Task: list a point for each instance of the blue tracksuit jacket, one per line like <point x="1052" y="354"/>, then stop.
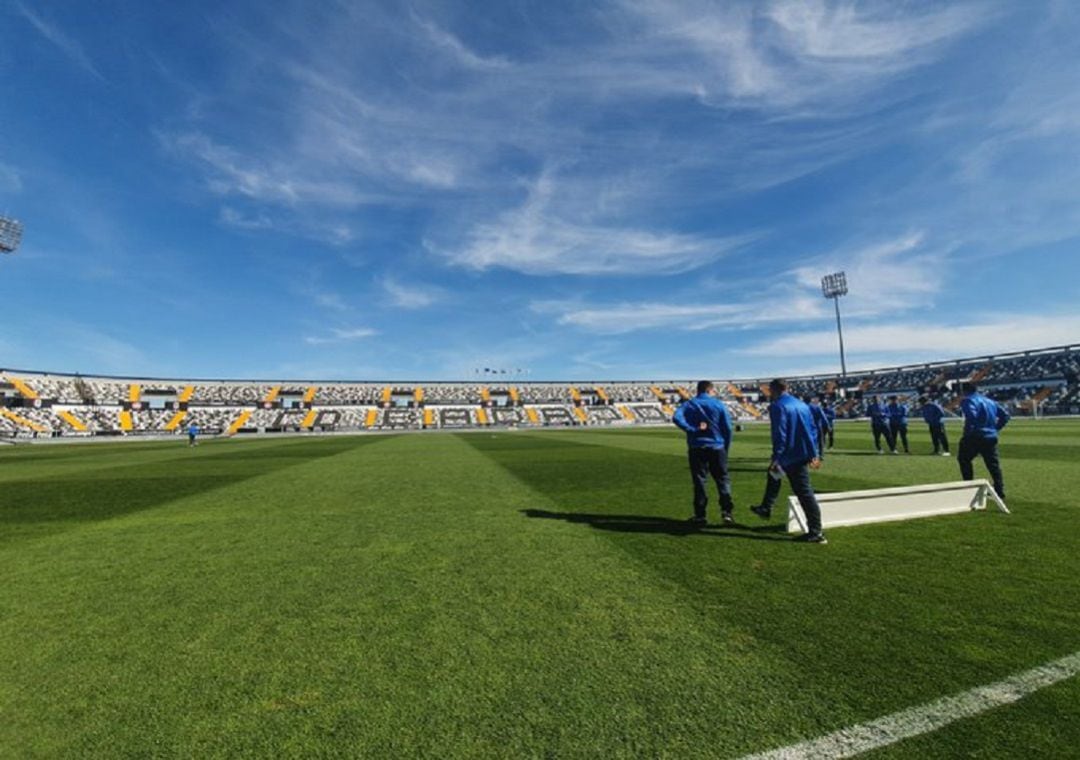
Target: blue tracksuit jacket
<point x="878" y="414"/>
<point x="830" y="415"/>
<point x="704" y="408"/>
<point x="983" y="417"/>
<point x="794" y="433"/>
<point x="898" y="414"/>
<point x="933" y="413"/>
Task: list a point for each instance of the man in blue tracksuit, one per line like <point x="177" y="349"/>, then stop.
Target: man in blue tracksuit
<point x="707" y="425"/>
<point x="879" y="423"/>
<point x="795" y="451"/>
<point x="898" y="416"/>
<point x="983" y="419"/>
<point x="934" y="416"/>
<point x="830" y="416"/>
<point x="821" y="422"/>
<point x="192" y="434"/>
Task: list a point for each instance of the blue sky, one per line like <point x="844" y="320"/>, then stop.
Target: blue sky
<point x="620" y="189"/>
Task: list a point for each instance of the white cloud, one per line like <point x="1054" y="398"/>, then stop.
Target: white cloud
<point x="997" y="334"/>
<point x="341" y="335"/>
<point x="538" y="238"/>
<point x="68" y="46"/>
<point x="411" y="296"/>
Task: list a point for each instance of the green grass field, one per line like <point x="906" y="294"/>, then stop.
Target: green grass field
<point x="513" y="594"/>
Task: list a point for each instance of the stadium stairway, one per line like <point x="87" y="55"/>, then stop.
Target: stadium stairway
<point x="272" y="395"/>
<point x="23" y="421"/>
<point x="485" y="394"/>
<point x="371" y="418"/>
<point x="533" y="415"/>
<point x="515" y="397"/>
<point x="134" y="393"/>
<point x="658" y="393"/>
<point x="309" y="419"/>
<point x="982" y="372"/>
<point x="482" y="416"/>
<point x="175" y="420"/>
<point x="418" y="395"/>
<point x="575" y="394"/>
<point x="580" y="414"/>
<point x="429" y="418"/>
<point x="602" y="394"/>
<point x="309" y="394"/>
<point x="126" y="423"/>
<point x="683" y="393"/>
<point x="239" y="422"/>
<point x="76" y="424"/>
<point x="743" y="403"/>
<point x="186" y="394"/>
<point x="666" y="409"/>
<point x="20" y="385"/>
<point x="625" y="412"/>
<point x="387" y="395"/>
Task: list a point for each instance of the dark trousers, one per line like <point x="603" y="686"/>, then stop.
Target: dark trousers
<point x="832" y="439"/>
<point x="987" y="448"/>
<point x="882" y="429"/>
<point x="940" y="438"/>
<point x="823" y="434"/>
<point x="799" y="477"/>
<point x="898" y="431"/>
<point x="703" y="463"/>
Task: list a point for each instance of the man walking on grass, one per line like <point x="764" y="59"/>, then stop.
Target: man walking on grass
<point x="898" y="416"/>
<point x="935" y="419"/>
<point x="983" y="420"/>
<point x="707" y="425"/>
<point x="795" y="452"/>
<point x="879" y="424"/>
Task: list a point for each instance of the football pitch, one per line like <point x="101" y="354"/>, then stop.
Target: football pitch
<point x="516" y="594"/>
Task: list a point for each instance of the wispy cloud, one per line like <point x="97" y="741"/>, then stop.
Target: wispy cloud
<point x="66" y="44"/>
<point x="536" y="238"/>
<point x="411" y="295"/>
<point x="992" y="334"/>
<point x="886" y="277"/>
<point x="341" y="335"/>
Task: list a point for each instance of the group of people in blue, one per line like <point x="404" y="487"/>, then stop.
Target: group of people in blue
<point x="802" y="431"/>
<point x="796" y="449"/>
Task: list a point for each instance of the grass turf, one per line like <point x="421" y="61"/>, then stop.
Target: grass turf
<point x="512" y="594"/>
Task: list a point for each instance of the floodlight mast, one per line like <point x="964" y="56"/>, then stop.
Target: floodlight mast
<point x="834" y="286"/>
<point x="10" y="234"/>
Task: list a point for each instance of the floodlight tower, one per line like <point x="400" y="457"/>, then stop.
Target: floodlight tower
<point x="834" y="286"/>
<point x="10" y="234"/>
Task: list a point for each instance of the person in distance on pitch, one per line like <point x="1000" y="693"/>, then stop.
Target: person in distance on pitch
<point x="830" y="416"/>
<point x="795" y="452"/>
<point x="983" y="420"/>
<point x="935" y="419"/>
<point x="707" y="425"/>
<point x="898" y="417"/>
<point x="821" y="421"/>
<point x="879" y="423"/>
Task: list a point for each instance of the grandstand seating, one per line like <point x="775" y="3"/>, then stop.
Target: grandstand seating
<point x="46" y="404"/>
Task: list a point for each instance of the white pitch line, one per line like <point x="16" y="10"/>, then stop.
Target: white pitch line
<point x="916" y="721"/>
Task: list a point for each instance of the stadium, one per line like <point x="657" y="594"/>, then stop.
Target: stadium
<point x="311" y="437"/>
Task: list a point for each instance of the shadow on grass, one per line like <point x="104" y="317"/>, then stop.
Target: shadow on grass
<point x="662" y="525"/>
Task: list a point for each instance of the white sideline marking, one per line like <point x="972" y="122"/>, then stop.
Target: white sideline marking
<point x="915" y="721"/>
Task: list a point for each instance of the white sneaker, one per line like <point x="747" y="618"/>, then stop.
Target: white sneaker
<point x="946" y="454"/>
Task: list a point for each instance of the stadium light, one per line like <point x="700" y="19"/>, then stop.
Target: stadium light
<point x="10" y="234"/>
<point x="834" y="286"/>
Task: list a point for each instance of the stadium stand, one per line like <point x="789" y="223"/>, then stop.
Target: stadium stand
<point x="38" y="405"/>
